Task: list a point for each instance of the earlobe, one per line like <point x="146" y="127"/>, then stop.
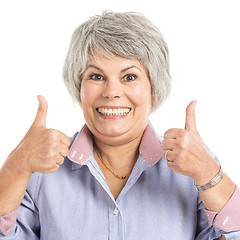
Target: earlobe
<point x="152" y="102"/>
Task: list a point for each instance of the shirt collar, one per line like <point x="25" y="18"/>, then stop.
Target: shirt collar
<point x="82" y="146"/>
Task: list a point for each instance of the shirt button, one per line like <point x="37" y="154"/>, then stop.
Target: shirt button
<point x="116" y="211"/>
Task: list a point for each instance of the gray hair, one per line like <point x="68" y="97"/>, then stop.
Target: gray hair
<point x="128" y="35"/>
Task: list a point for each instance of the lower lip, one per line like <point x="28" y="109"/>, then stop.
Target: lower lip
<point x="112" y="116"/>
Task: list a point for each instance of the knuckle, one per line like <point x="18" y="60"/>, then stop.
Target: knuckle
<point x="183" y="140"/>
<point x="68" y="141"/>
<point x="66" y="153"/>
<point x="54" y="146"/>
<point x="52" y="133"/>
<point x="60" y="159"/>
<point x="51" y="153"/>
<point x="167" y="133"/>
<point x="182" y="145"/>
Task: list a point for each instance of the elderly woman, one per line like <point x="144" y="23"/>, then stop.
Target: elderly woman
<point x="116" y="178"/>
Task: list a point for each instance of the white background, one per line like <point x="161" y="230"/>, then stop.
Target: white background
<point x="204" y="42"/>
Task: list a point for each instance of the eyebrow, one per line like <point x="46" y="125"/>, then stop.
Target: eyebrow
<point x="122" y="71"/>
<point x="93" y="66"/>
<point x="127" y="68"/>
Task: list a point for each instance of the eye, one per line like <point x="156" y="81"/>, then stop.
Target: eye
<point x="129" y="77"/>
<point x="96" y="77"/>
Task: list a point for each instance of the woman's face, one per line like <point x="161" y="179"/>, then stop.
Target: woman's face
<point x="115" y="98"/>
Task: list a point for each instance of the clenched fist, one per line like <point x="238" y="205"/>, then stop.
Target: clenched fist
<point x="186" y="152"/>
<point x="42" y="149"/>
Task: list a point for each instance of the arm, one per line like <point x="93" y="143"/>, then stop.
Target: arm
<point x="24" y="222"/>
<point x="41" y="150"/>
<point x="13" y="183"/>
<point x="189" y="156"/>
<point x="215" y="198"/>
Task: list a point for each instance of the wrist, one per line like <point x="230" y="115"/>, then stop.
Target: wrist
<point x="212" y="183"/>
<point x="16" y="164"/>
<point x="207" y="172"/>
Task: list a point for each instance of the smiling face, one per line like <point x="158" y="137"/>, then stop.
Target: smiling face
<point x="115" y="98"/>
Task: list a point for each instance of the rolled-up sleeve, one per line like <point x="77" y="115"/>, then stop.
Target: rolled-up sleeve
<point x="7" y="222"/>
<point x="228" y="219"/>
<point x="23" y="223"/>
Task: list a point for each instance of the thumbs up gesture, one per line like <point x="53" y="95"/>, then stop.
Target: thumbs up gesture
<point x="42" y="149"/>
<point x="186" y="152"/>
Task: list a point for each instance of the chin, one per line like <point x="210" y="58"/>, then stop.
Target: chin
<point x="112" y="131"/>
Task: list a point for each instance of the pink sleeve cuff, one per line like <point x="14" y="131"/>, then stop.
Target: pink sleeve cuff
<point x="228" y="219"/>
<point x="7" y="222"/>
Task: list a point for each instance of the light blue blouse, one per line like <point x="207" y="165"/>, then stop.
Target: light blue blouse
<point x="76" y="203"/>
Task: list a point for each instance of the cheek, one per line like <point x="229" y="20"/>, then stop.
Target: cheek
<point x="141" y="95"/>
<point x="87" y="95"/>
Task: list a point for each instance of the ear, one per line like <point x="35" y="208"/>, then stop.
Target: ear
<point x="79" y="101"/>
<point x="152" y="101"/>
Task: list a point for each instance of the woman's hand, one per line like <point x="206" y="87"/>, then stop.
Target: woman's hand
<point x="188" y="154"/>
<point x="42" y="149"/>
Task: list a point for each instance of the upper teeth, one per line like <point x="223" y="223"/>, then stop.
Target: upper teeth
<point x="114" y="111"/>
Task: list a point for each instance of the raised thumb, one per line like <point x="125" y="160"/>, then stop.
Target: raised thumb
<point x="41" y="116"/>
<point x="190" y="122"/>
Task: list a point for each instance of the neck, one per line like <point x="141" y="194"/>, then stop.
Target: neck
<point x="121" y="156"/>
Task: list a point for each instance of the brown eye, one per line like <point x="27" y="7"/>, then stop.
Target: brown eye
<point x="130" y="77"/>
<point x="96" y="77"/>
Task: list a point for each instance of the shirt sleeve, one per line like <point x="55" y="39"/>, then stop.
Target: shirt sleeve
<point x="7" y="222"/>
<point x="209" y="231"/>
<point x="23" y="223"/>
<point x="228" y="218"/>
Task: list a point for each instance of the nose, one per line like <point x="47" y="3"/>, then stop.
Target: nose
<point x="112" y="89"/>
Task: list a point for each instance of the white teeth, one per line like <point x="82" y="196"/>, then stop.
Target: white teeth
<point x="114" y="111"/>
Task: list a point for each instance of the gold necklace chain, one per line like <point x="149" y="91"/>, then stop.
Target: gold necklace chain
<point x="116" y="175"/>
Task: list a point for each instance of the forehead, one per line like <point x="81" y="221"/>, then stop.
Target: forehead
<point x="114" y="62"/>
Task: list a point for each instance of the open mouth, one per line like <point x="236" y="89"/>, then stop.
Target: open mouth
<point x="114" y="111"/>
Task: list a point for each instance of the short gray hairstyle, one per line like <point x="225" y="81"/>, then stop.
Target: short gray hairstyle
<point x="126" y="34"/>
